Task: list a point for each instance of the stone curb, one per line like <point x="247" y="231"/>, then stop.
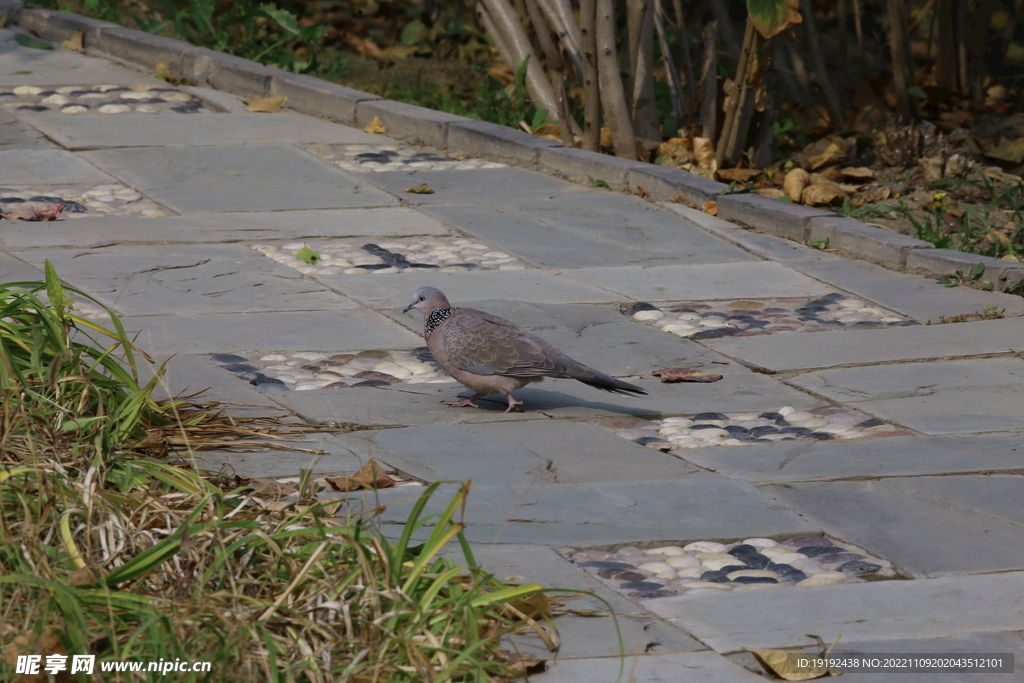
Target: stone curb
<point x="458" y="135"/>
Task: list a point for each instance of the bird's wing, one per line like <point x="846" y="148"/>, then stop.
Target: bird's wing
<point x="485" y="344"/>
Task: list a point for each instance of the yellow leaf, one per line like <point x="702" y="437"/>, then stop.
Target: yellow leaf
<point x="422" y="188"/>
<point x="375" y="126"/>
<point x="710" y="208"/>
<point x="828" y="150"/>
<point x="779" y="663"/>
<point x="1008" y="150"/>
<point x="822" y="193"/>
<point x="704" y="150"/>
<point x="266" y="105"/>
<point x="772" y="193"/>
<point x="75" y="41"/>
<point x="162" y="72"/>
<point x="794" y="184"/>
<point x="858" y="173"/>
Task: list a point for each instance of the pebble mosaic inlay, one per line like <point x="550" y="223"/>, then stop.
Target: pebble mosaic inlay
<point x="314" y="370"/>
<point x="359" y="258"/>
<point x="713" y="319"/>
<point x="103" y="99"/>
<point x="81" y="201"/>
<point x="742" y="429"/>
<point x="393" y="157"/>
<point x="707" y="566"/>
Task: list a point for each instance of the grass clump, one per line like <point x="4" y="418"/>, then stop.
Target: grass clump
<point x="108" y="552"/>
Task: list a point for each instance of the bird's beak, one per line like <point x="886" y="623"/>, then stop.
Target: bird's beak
<point x="409" y="307"/>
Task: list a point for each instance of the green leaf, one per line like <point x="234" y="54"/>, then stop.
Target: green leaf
<point x="976" y="271"/>
<point x="601" y="183"/>
<point x="34" y="43"/>
<point x="915" y="91"/>
<point x="307" y="255"/>
<point x="412" y="32"/>
<point x="54" y="289"/>
<point x="81" y="422"/>
<point x="521" y="72"/>
<point x="283" y="18"/>
<point x="772" y="17"/>
<point x="539" y="119"/>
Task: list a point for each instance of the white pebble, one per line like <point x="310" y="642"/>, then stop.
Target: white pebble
<point x="74" y="109"/>
<point x="760" y="542"/>
<point x="705" y="547"/>
<point x="153" y="213"/>
<point x="273" y="356"/>
<point x="655" y="567"/>
<point x="785" y="558"/>
<point x="134" y="95"/>
<point x="175" y="96"/>
<point x="824" y="579"/>
<point x="27" y="90"/>
<point x="707" y="584"/>
<point x="114" y="109"/>
<point x="310" y="355"/>
<point x="709" y="434"/>
<point x="146" y="109"/>
<point x="304" y="387"/>
<point x="105" y="87"/>
<point x="648" y="315"/>
<point x="761" y="573"/>
<point x="681" y="561"/>
<point x="794" y="418"/>
<point x="667" y="550"/>
<point x="55" y="99"/>
<point x="784" y="411"/>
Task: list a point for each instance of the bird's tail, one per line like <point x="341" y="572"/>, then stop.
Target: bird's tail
<point x="604" y="382"/>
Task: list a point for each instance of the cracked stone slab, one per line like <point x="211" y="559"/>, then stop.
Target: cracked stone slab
<point x="759" y="279"/>
<point x="693" y="667"/>
<point x="281" y="331"/>
<point x="145" y="130"/>
<point x="534" y="451"/>
<point x="394" y="290"/>
<point x="189" y="280"/>
<point x="26" y="66"/>
<point x="674" y="511"/>
<point x="954" y="397"/>
<point x="849" y="347"/>
<point x="926" y="526"/>
<point x="47" y="167"/>
<point x="15" y="270"/>
<point x="15" y="134"/>
<point x="580" y="636"/>
<point x="343" y="456"/>
<point x="871" y="612"/>
<point x="489" y="186"/>
<point x="258" y="226"/>
<point x="902" y="456"/>
<point x="243" y="178"/>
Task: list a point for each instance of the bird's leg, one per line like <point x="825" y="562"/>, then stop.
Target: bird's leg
<point x="513" y="405"/>
<point x="465" y="402"/>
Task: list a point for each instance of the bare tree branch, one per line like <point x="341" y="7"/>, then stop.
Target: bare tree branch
<point x="559" y="15"/>
<point x="725" y="26"/>
<point x="835" y="110"/>
<point x="709" y="82"/>
<point x="674" y="86"/>
<point x="684" y="53"/>
<point x="613" y="97"/>
<point x="643" y="106"/>
<point x="555" y="71"/>
<point x="902" y="69"/>
<point x="591" y="91"/>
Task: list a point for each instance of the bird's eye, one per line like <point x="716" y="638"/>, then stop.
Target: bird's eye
<point x="423" y="298"/>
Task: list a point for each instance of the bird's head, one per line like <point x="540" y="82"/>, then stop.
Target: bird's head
<point x="428" y="299"/>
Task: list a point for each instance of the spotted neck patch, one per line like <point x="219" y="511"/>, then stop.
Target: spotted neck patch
<point x="435" y="318"/>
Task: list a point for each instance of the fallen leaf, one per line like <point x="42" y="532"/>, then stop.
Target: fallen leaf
<point x="51" y="212"/>
<point x="710" y="208"/>
<point x="877" y="194"/>
<point x="772" y="18"/>
<point x="307" y="255"/>
<point x="778" y="662"/>
<point x="858" y="173"/>
<point x="829" y="150"/>
<point x="163" y="73"/>
<point x="681" y="198"/>
<point x="83" y="576"/>
<point x="672" y="375"/>
<point x="833" y="175"/>
<point x="266" y="105"/>
<point x="422" y="188"/>
<point x="1011" y="150"/>
<point x="771" y="192"/>
<point x="547" y="130"/>
<point x="502" y="72"/>
<point x="271" y="488"/>
<point x="741" y="175"/>
<point x="375" y="126"/>
<point x="525" y="665"/>
<point x="369" y="476"/>
<point x="822" y="193"/>
<point x="795" y="182"/>
<point x="34" y="43"/>
<point x="606" y="137"/>
<point x="704" y="150"/>
<point x="641" y="192"/>
<point x="75" y="41"/>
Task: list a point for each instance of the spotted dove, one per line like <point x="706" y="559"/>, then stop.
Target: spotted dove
<point x="491" y="355"/>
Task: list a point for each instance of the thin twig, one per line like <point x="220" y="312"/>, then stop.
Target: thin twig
<point x="591" y="90"/>
<point x="674" y="87"/>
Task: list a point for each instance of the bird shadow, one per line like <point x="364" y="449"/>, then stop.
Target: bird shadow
<point x="547" y="400"/>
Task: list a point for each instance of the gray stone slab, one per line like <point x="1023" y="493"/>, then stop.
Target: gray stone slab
<point x="944" y="262"/>
<point x="187" y="279"/>
<point x="696" y="507"/>
<point x="240" y="76"/>
<point x="317" y="96"/>
<point x="499" y="187"/>
<point x="769" y="215"/>
<point x="955" y="411"/>
<point x="696" y="667"/>
<point x="757" y="279"/>
<point x="904" y="456"/>
<point x="864" y="241"/>
<point x="258" y="227"/>
<point x="851" y="347"/>
<point x="100" y="131"/>
<point x="353" y="329"/>
<point x="579" y="637"/>
<point x="492" y="141"/>
<point x="665" y="182"/>
<point x="581" y="166"/>
<point x="245" y="178"/>
<point x="927" y="526"/>
<point x="26" y="66"/>
<point x="394" y="290"/>
<point x="423" y="125"/>
<point x="912" y="295"/>
<point x="15" y="270"/>
<point x="14" y="134"/>
<point x="47" y="167"/>
<point x="864" y="612"/>
<point x="342" y="457"/>
<point x="512" y="453"/>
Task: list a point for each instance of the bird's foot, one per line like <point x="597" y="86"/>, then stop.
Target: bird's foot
<point x="513" y="405"/>
<point x="464" y="402"/>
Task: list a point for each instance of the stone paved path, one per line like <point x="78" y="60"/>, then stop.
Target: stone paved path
<point x="943" y="501"/>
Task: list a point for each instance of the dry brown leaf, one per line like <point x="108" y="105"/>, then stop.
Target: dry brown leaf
<point x="1008" y="149"/>
<point x="672" y="375"/>
<point x="740" y="175"/>
<point x="680" y="198"/>
<point x="777" y="661"/>
<point x="50" y="212"/>
<point x="822" y="193"/>
<point x="526" y="665"/>
<point x="794" y="184"/>
<point x="547" y="130"/>
<point x="75" y="41"/>
<point x="704" y="150"/>
<point x="422" y="188"/>
<point x="877" y="194"/>
<point x="502" y="72"/>
<point x="266" y="105"/>
<point x="833" y="175"/>
<point x="858" y="173"/>
<point x="279" y="505"/>
<point x="162" y="72"/>
<point x="369" y="476"/>
<point x="848" y="188"/>
<point x="271" y="488"/>
<point x="375" y="126"/>
<point x="710" y="208"/>
<point x="771" y="192"/>
<point x="606" y="137"/>
<point x="829" y="150"/>
<point x="83" y="576"/>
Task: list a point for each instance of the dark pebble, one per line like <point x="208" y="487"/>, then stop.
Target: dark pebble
<point x="647" y="595"/>
<point x="794" y="576"/>
<point x="753" y="439"/>
<point x="788" y="438"/>
<point x="260" y="378"/>
<point x="46" y="93"/>
<point x="33" y="107"/>
<point x="644" y="440"/>
<point x="335" y="385"/>
<point x="372" y="383"/>
<point x="757" y="561"/>
<point x="742" y="549"/>
<point x="795" y="430"/>
<point x="12" y="200"/>
<point x="735" y="429"/>
<point x="606" y="564"/>
<point x="642" y="306"/>
<point x="43" y="198"/>
<point x="710" y="416"/>
<point x="754" y="579"/>
<point x="310" y="367"/>
<point x="622" y="574"/>
<point x="470" y="266"/>
<point x="377" y="376"/>
<point x="705" y="427"/>
<point x="730" y="568"/>
<point x="188" y="107"/>
<point x="151" y="100"/>
<point x="714" y="577"/>
<point x="641" y="586"/>
<point x="74" y="207"/>
<point x="426" y="156"/>
<point x="240" y="367"/>
<point x="867" y="323"/>
<point x="373" y="248"/>
<point x="903" y="323"/>
<point x="830" y="298"/>
<point x="806" y="541"/>
<point x="840" y="558"/>
<point x="327" y="364"/>
<point x="271" y="386"/>
<point x="761" y="431"/>
<point x="380" y="157"/>
<point x="422" y="354"/>
<point x="819" y="550"/>
<point x="859" y="567"/>
<point x="423" y="265"/>
<point x="873" y="422"/>
<point x="249" y="376"/>
<point x="373" y="266"/>
<point x="781" y="422"/>
<point x="819" y="436"/>
<point x="226" y="358"/>
<point x="79" y="93"/>
<point x="716" y="333"/>
<point x="771" y="416"/>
